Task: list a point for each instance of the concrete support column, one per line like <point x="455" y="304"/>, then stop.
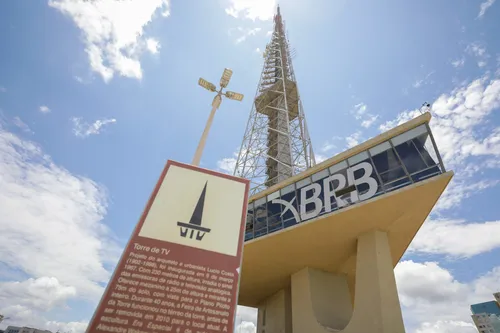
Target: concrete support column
<point x="377" y="308"/>
<point x="321" y="301"/>
<point x="275" y="313"/>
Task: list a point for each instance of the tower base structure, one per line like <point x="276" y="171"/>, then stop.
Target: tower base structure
<point x="319" y="302"/>
<point x="321" y="247"/>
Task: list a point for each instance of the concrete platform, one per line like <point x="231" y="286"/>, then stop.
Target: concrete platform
<point x="329" y="243"/>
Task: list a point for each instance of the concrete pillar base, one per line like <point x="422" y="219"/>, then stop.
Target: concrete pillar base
<point x="320" y="302"/>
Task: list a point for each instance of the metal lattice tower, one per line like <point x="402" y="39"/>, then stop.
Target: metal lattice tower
<point x="276" y="144"/>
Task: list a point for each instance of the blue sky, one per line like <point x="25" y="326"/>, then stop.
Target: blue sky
<point x="96" y="96"/>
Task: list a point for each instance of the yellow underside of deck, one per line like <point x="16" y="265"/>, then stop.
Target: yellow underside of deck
<point x="329" y="242"/>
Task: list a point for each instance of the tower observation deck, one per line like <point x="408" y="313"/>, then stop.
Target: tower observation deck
<point x="322" y="241"/>
<point x="276" y="143"/>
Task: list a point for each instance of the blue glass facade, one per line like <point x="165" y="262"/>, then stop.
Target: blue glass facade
<point x="486" y="307"/>
<point x="401" y="161"/>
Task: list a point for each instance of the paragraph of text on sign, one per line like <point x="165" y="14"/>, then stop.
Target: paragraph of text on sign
<point x="153" y="292"/>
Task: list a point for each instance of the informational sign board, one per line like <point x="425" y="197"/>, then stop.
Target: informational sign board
<point x="180" y="269"/>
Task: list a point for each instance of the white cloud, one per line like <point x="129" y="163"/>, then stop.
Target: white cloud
<point x="71" y="327"/>
<point x="83" y="129"/>
<point x="484" y="7"/>
<point x="246" y="319"/>
<point x="413" y="290"/>
<point x="401" y="118"/>
<point x="457" y="238"/>
<point x="269" y="33"/>
<point x="113" y="32"/>
<point x="369" y="120"/>
<point x="334" y="145"/>
<point x="153" y="45"/>
<point x="458" y="63"/>
<point x="328" y="149"/>
<point x="424" y="81"/>
<point x="447" y="326"/>
<point x="258" y="50"/>
<point x="469" y="143"/>
<point x="246" y="327"/>
<point x="458" y="125"/>
<point x="21" y="124"/>
<point x="44" y="109"/>
<point x="27" y="317"/>
<point x="327" y="146"/>
<point x="227" y="164"/>
<point x="243" y="33"/>
<point x="360" y="109"/>
<point x="252" y="9"/>
<point x="360" y="113"/>
<point x="462" y="188"/>
<point x="320" y="158"/>
<point x="41" y="294"/>
<point x="457" y="121"/>
<point x="434" y="301"/>
<point x="353" y="139"/>
<point x="478" y="50"/>
<point x="51" y="230"/>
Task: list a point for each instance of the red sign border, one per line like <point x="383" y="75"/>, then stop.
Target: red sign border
<point x="145" y="212"/>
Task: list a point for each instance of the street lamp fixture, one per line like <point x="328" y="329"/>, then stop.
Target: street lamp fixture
<point x="224" y="81"/>
<point x="226" y="77"/>
<point x="207" y="85"/>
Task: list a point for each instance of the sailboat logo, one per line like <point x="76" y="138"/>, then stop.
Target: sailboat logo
<point x="194" y="228"/>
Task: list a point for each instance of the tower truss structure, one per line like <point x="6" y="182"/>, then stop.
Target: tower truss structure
<point x="276" y="144"/>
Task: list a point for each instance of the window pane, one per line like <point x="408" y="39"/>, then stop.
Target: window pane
<point x="409" y="135"/>
<point x="392" y="175"/>
<point x="432" y="171"/>
<point x="273" y="209"/>
<point x="250" y="222"/>
<point x="288" y="189"/>
<point x="303" y="182"/>
<point x="385" y="161"/>
<point x="337" y="167"/>
<point x="426" y="149"/>
<point x="274" y="216"/>
<point x="397" y="184"/>
<point x="288" y="217"/>
<point x="260" y="219"/>
<point x="380" y="148"/>
<point x="357" y="158"/>
<point x="410" y="157"/>
<point x="273" y="196"/>
<point x="320" y="175"/>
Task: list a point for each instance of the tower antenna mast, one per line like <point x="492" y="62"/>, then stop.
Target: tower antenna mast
<point x="276" y="144"/>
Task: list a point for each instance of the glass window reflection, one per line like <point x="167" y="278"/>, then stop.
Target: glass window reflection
<point x="289" y="195"/>
<point x="260" y="218"/>
<point x="274" y="216"/>
<point x="250" y="222"/>
<point x="385" y="161"/>
<point x="411" y="158"/>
